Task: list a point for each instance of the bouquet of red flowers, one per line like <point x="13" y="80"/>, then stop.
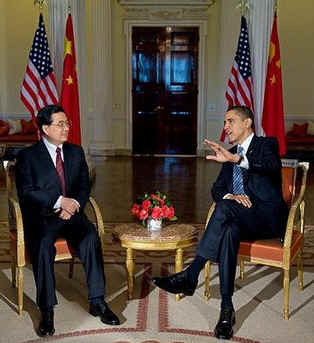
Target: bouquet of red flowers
<point x="155" y="205"/>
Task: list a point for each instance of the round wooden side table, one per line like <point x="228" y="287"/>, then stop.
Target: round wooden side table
<point x="133" y="236"/>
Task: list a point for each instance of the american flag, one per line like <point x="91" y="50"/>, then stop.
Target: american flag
<point x="239" y="89"/>
<point x="39" y="86"/>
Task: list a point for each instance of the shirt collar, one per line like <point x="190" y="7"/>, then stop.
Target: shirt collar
<point x="245" y="145"/>
<point x="50" y="146"/>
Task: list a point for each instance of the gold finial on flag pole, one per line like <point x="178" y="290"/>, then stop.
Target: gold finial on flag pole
<point x="41" y="3"/>
<point x="275" y="5"/>
<point x="244" y="6"/>
<point x="69" y="6"/>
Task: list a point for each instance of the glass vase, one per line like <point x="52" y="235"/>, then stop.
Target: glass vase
<point x="154" y="224"/>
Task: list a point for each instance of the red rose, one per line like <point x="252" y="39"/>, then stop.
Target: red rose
<point x="156" y="213"/>
<point x="171" y="212"/>
<point x="135" y="210"/>
<point x="165" y="211"/>
<point x="146" y="204"/>
<point x="143" y="214"/>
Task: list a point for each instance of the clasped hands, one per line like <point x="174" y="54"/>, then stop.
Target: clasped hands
<point x="223" y="155"/>
<point x="68" y="207"/>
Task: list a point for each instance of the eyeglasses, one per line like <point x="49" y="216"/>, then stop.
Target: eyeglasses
<point x="63" y="124"/>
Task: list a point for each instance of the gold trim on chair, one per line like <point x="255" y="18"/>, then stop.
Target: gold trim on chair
<point x="18" y="251"/>
<point x="279" y="255"/>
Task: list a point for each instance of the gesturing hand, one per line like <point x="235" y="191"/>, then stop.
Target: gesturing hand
<point x="222" y="154"/>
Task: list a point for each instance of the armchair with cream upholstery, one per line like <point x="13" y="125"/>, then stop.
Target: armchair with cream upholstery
<point x="18" y="251"/>
<point x="272" y="252"/>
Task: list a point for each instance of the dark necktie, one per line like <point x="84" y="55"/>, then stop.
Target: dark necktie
<point x="237" y="180"/>
<point x="60" y="169"/>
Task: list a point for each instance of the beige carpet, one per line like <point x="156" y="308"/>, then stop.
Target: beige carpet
<point x="153" y="316"/>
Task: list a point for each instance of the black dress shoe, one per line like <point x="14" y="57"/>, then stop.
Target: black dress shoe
<point x="178" y="283"/>
<point x="223" y="329"/>
<point x="103" y="311"/>
<point x="46" y="326"/>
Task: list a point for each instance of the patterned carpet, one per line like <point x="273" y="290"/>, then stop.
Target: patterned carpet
<point x="115" y="253"/>
<point x="154" y="316"/>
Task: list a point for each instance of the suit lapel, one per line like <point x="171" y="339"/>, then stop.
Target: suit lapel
<point x="250" y="152"/>
<point x="67" y="156"/>
<point x="47" y="161"/>
<point x="45" y="156"/>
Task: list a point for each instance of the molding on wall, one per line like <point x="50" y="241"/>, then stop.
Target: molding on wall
<point x="95" y="151"/>
<point x="4" y="116"/>
<point x="302" y="117"/>
<point x="155" y="14"/>
<point x="169" y="3"/>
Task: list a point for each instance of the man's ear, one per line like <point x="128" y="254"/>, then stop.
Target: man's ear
<point x="44" y="128"/>
<point x="249" y="123"/>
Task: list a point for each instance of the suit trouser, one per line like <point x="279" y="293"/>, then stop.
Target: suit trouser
<point x="82" y="236"/>
<point x="230" y="223"/>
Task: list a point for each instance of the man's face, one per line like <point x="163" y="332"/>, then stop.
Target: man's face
<point x="237" y="128"/>
<point x="57" y="132"/>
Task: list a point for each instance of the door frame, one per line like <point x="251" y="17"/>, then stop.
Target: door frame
<point x="201" y="103"/>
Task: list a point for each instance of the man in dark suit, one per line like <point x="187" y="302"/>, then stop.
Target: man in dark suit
<point x="52" y="182"/>
<point x="249" y="206"/>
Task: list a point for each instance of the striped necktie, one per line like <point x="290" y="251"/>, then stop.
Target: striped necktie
<point x="237" y="180"/>
<point x="60" y="170"/>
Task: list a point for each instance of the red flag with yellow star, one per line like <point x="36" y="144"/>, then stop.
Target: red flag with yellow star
<point x="273" y="114"/>
<point x="70" y="94"/>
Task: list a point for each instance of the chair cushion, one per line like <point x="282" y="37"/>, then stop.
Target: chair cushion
<point x="299" y="130"/>
<point x="29" y="127"/>
<point x="269" y="249"/>
<point x="15" y="126"/>
<point x="61" y="245"/>
<point x="287" y="175"/>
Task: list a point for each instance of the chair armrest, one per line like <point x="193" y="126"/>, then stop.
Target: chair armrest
<point x="210" y="212"/>
<point x="16" y="223"/>
<point x="99" y="221"/>
<point x="298" y="204"/>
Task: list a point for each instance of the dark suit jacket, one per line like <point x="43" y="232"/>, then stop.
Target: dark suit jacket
<point x="38" y="183"/>
<point x="262" y="183"/>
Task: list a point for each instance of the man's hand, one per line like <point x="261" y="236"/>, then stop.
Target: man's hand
<point x="64" y="215"/>
<point x="69" y="205"/>
<point x="242" y="199"/>
<point x="222" y="155"/>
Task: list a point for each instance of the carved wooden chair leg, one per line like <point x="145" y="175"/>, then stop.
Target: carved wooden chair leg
<point x="286" y="291"/>
<point x="13" y="270"/>
<point x="300" y="270"/>
<point x="71" y="267"/>
<point x="207" y="280"/>
<point x="241" y="269"/>
<point x="20" y="289"/>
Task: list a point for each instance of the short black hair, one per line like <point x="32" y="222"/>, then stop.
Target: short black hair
<point x="244" y="112"/>
<point x="44" y="115"/>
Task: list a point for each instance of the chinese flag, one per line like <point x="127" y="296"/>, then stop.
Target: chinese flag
<point x="273" y="114"/>
<point x="70" y="93"/>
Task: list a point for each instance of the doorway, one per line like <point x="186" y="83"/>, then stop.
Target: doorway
<point x="165" y="90"/>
